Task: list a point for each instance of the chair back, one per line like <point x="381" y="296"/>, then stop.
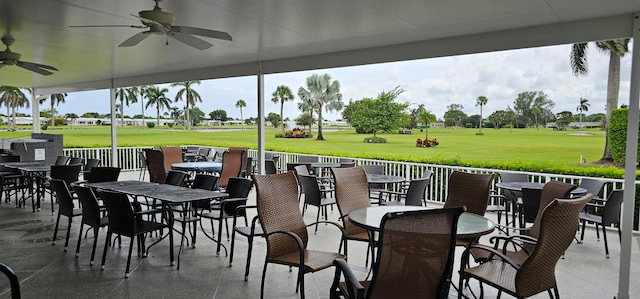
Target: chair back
<point x="530" y="204"/>
<point x="67" y="173"/>
<point x="204" y="181"/>
<point x="119" y="212"/>
<point x="9" y="158"/>
<point x="269" y="155"/>
<point x="550" y="191"/>
<point x="352" y="192"/>
<point x="91" y="163"/>
<point x="593" y="186"/>
<point x="278" y="209"/>
<point x="513" y="177"/>
<point x="76" y="161"/>
<point x="292" y="166"/>
<point x="347" y="164"/>
<point x="558" y="226"/>
<point x="65" y="201"/>
<point x="171" y="155"/>
<point x="416" y="192"/>
<point x="176" y="178"/>
<point x="469" y="190"/>
<point x="104" y="174"/>
<point x="612" y="207"/>
<point x="203" y="154"/>
<point x="270" y="167"/>
<point x="155" y="166"/>
<point x="237" y="188"/>
<point x="311" y="189"/>
<point x="89" y="203"/>
<point x="244" y="154"/>
<point x="374" y="169"/>
<point x="249" y="169"/>
<point x="416" y="255"/>
<point x="62" y="160"/>
<point x="231" y="166"/>
<point x="301" y="170"/>
<point x="13" y="280"/>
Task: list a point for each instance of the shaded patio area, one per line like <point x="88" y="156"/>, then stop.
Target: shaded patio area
<point x="47" y="271"/>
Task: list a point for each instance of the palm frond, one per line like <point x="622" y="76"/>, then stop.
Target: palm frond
<point x="578" y="59"/>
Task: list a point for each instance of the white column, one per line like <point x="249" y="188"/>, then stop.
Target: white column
<point x="630" y="162"/>
<point x="260" y="121"/>
<point x="35" y="111"/>
<point x="114" y="143"/>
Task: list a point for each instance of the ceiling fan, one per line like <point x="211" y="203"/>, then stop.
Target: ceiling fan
<point x="11" y="58"/>
<point x="161" y="23"/>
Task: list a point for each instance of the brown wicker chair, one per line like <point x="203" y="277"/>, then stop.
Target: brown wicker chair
<point x="558" y="225"/>
<point x="352" y="193"/>
<point x="525" y="243"/>
<point x="232" y="162"/>
<point x="245" y="153"/>
<point x="155" y="166"/>
<point x="415" y="259"/>
<point x="285" y="230"/>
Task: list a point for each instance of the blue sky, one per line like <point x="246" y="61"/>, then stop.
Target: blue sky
<point x="435" y="82"/>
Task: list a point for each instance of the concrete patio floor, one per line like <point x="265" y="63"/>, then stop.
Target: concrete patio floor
<point x="46" y="271"/>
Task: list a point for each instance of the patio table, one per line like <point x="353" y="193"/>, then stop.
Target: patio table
<point x="517" y="186"/>
<point x="199" y="167"/>
<point x="35" y="172"/>
<point x="168" y="195"/>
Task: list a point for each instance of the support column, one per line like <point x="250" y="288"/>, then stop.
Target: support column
<point x="631" y="153"/>
<point x="114" y="143"/>
<point x="35" y="111"/>
<point x="260" y="120"/>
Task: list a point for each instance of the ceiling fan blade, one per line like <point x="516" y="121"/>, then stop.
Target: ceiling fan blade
<point x="190" y="40"/>
<point x="36" y="68"/>
<point x="94" y="26"/>
<point x="203" y="32"/>
<point x="134" y="40"/>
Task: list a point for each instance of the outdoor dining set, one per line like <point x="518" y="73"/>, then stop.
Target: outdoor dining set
<point x="410" y="246"/>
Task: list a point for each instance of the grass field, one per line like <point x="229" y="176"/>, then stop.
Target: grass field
<point x="529" y="146"/>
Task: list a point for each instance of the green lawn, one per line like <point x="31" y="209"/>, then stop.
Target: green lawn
<point x="525" y="146"/>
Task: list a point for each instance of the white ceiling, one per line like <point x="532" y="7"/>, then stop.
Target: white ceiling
<point x="284" y="35"/>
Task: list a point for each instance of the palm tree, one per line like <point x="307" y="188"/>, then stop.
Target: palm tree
<point x="126" y="96"/>
<point x="481" y="101"/>
<point x="511" y="117"/>
<point x="584" y="106"/>
<point x="158" y="99"/>
<point x="425" y="117"/>
<point x="616" y="49"/>
<point x="189" y="95"/>
<point x="307" y="105"/>
<point x="12" y="97"/>
<point x="54" y="100"/>
<point x="175" y="114"/>
<point x="282" y="94"/>
<point x="239" y="104"/>
<point x="134" y="91"/>
<point x="323" y="93"/>
<point x="536" y="111"/>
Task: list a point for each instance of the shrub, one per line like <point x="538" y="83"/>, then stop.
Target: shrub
<point x="296" y="133"/>
<point x="618" y="134"/>
<point x="278" y="135"/>
<point x="170" y="125"/>
<point x="479" y="133"/>
<point x="44" y="127"/>
<point x="151" y="125"/>
<point x="427" y="142"/>
<point x="375" y="140"/>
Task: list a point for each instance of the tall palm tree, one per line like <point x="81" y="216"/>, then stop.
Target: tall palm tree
<point x="239" y="104"/>
<point x="307" y="105"/>
<point x="324" y="93"/>
<point x="584" y="106"/>
<point x="425" y="117"/>
<point x="282" y="94"/>
<point x="126" y="96"/>
<point x="189" y="95"/>
<point x="158" y="99"/>
<point x="13" y="97"/>
<point x="141" y="90"/>
<point x="616" y="49"/>
<point x="54" y="100"/>
<point x="481" y="101"/>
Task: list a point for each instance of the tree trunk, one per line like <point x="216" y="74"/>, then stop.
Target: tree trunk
<point x="53" y="116"/>
<point x="480" y="119"/>
<point x="188" y="124"/>
<point x="310" y="120"/>
<point x="142" y="102"/>
<point x="158" y="115"/>
<point x="121" y="112"/>
<point x="282" y="116"/>
<point x="426" y="130"/>
<point x="242" y="119"/>
<point x="320" y="137"/>
<point x="613" y="88"/>
<point x="13" y="114"/>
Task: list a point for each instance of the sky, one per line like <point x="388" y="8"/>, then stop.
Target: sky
<point x="436" y="83"/>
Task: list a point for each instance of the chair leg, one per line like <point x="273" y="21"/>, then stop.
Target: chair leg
<point x="104" y="253"/>
<point x="79" y="238"/>
<point x="264" y="272"/>
<point x="66" y="241"/>
<point x="219" y="235"/>
<point x="604" y="235"/>
<point x="95" y="242"/>
<point x="55" y="231"/>
<point x="584" y="224"/>
<point x="317" y="219"/>
<point x="597" y="232"/>
<point x="233" y="243"/>
<point x="249" y="251"/>
<point x="126" y="271"/>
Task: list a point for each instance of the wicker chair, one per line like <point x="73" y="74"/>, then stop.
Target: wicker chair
<point x="244" y="153"/>
<point x="508" y="200"/>
<point x="558" y="225"/>
<point x="90" y="216"/>
<point x="469" y="190"/>
<point x="232" y="166"/>
<point x="285" y="230"/>
<point x="67" y="173"/>
<point x="415" y="259"/>
<point x="412" y="195"/>
<point x="155" y="166"/>
<point x="100" y="174"/>
<point x="171" y="155"/>
<point x="352" y="193"/>
<point x="525" y="243"/>
<point x="374" y="189"/>
<point x="315" y="196"/>
<point x="67" y="208"/>
<point x="609" y="214"/>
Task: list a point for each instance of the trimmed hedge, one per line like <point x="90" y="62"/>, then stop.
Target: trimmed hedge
<point x="618" y="135"/>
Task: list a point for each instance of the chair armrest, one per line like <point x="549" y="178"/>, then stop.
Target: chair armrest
<point x="13" y="280"/>
<point x="516" y="241"/>
<point x="354" y="287"/>
<point x="493" y="253"/>
<point x="301" y="247"/>
<point x="342" y="230"/>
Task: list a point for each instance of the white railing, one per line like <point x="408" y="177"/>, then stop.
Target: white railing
<point x="128" y="160"/>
